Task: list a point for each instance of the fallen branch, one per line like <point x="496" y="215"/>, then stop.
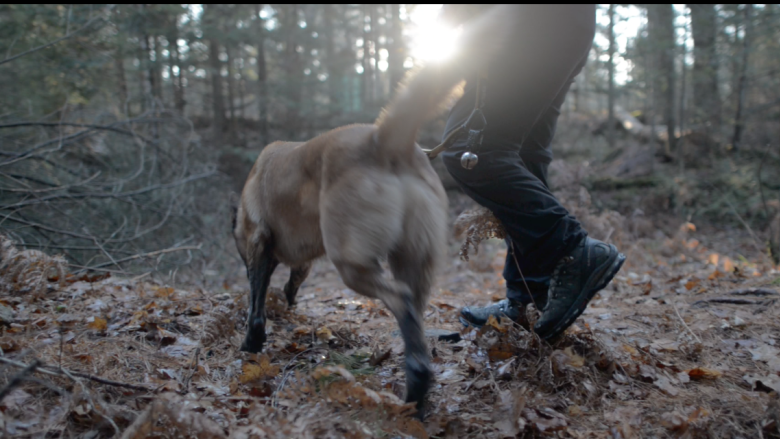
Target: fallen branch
<point x="18" y="378"/>
<point x="754" y="292"/>
<point x="729" y="301"/>
<point x="56" y="371"/>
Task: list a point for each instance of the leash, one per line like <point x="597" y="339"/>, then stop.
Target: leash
<point x="474" y="126"/>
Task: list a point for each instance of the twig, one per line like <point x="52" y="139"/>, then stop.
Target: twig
<point x="193" y="369"/>
<point x="685" y="324"/>
<point x="18" y="378"/>
<point x="54" y="371"/>
<point x="756" y="242"/>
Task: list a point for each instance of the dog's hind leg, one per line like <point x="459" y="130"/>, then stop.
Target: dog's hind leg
<point x="297" y="276"/>
<point x="368" y="281"/>
<point x="260" y="267"/>
<point x="415" y="269"/>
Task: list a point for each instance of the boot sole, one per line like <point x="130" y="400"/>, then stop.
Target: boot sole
<point x="601" y="279"/>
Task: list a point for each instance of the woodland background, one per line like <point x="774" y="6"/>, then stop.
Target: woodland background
<point x="124" y="128"/>
<point x="126" y="134"/>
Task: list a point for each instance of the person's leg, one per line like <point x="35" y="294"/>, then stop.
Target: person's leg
<point x="524" y="283"/>
<point x="511" y="181"/>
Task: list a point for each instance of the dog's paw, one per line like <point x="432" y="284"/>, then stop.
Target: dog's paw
<point x="255" y="337"/>
<point x="253" y="345"/>
<point x="418" y="381"/>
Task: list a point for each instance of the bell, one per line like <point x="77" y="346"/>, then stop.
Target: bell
<point x="468" y="160"/>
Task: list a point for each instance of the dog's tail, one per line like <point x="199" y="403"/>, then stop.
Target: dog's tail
<point x="422" y="94"/>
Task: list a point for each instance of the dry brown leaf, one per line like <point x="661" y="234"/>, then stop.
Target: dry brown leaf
<point x="98" y="324"/>
<point x="254" y="372"/>
<point x="728" y="265"/>
<point x="500" y="352"/>
<point x="713" y="259"/>
<point x="703" y="373"/>
<point x="507" y="412"/>
<point x="574" y="359"/>
<point x="324" y="334"/>
<point x="691" y="284"/>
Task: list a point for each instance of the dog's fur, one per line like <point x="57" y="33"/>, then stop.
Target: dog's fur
<point x="360" y="193"/>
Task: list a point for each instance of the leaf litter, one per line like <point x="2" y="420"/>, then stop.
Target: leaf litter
<point x="642" y="361"/>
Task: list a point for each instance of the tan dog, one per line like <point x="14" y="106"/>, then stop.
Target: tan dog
<point x="360" y="193"/>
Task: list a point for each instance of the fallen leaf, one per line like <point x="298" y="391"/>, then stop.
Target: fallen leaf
<point x="574" y="359"/>
<point x="675" y="421"/>
<point x="728" y="265"/>
<point x="324" y="334"/>
<point x="500" y="352"/>
<point x="666" y="385"/>
<point x="98" y="324"/>
<point x="254" y="372"/>
<point x="378" y="358"/>
<point x="545" y="420"/>
<point x="507" y="411"/>
<point x="761" y="383"/>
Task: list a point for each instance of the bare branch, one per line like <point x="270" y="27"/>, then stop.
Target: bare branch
<point x="51" y="43"/>
<point x="109" y="194"/>
<point x="146" y="255"/>
<point x="56" y="371"/>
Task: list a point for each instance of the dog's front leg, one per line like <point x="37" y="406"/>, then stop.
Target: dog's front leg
<point x="259" y="271"/>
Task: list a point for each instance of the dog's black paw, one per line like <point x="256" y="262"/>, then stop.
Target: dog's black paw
<point x="418" y="381"/>
<point x="255" y="336"/>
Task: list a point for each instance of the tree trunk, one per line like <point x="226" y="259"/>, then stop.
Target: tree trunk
<point x="704" y="77"/>
<point x="611" y="65"/>
<point x="365" y="89"/>
<point x="231" y="83"/>
<point x="396" y="55"/>
<point x="119" y="65"/>
<point x="661" y="35"/>
<point x="262" y="90"/>
<point x="742" y="84"/>
<point x="217" y="102"/>
<point x="175" y="61"/>
<point x="681" y="109"/>
<point x="335" y="73"/>
<point x="293" y="70"/>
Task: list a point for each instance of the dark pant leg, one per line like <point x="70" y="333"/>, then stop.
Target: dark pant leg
<point x="541" y="229"/>
<point x="511" y="179"/>
<point x="535" y="153"/>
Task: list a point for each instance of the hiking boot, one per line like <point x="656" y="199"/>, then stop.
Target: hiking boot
<point x="508" y="308"/>
<point x="575" y="280"/>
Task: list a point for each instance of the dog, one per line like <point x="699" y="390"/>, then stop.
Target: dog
<point x="359" y="194"/>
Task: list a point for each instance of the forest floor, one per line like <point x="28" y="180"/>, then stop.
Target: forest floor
<point x="685" y="342"/>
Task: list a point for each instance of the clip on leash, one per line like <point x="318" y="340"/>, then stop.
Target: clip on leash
<point x="474" y="126"/>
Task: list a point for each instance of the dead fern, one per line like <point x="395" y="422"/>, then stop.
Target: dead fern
<point x="220" y="324"/>
<point x="477" y="225"/>
<point x="28" y="271"/>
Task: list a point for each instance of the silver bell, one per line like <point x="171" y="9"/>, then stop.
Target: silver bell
<point x="468" y="160"/>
